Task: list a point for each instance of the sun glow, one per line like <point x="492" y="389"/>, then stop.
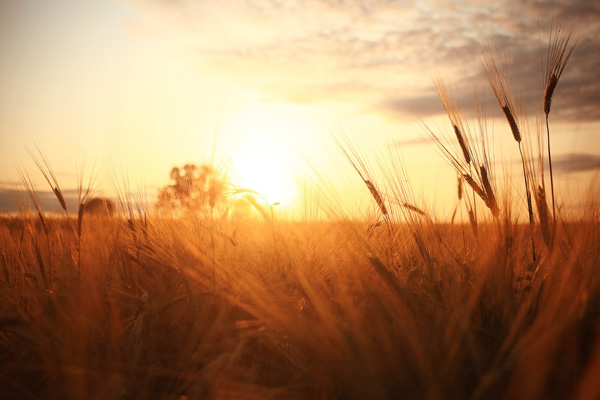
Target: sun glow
<point x="263" y="168"/>
<point x="267" y="159"/>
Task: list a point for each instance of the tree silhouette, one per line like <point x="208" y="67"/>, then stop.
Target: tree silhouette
<point x="193" y="188"/>
<point x="99" y="206"/>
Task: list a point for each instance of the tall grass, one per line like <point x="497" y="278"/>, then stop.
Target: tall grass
<point x="143" y="306"/>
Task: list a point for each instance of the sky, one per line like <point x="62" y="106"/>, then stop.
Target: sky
<point x="125" y="90"/>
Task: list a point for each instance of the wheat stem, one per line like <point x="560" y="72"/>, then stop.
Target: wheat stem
<point x="551" y="175"/>
<point x="529" y="205"/>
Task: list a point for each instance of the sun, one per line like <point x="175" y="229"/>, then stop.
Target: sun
<point x="263" y="168"/>
<point x="265" y="158"/>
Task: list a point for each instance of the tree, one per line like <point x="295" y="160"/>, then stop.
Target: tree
<point x="193" y="188"/>
<point x="99" y="206"/>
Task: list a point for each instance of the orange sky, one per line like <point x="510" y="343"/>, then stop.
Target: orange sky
<point x="135" y="87"/>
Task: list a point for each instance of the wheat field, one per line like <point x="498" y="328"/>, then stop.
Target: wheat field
<point x="142" y="306"/>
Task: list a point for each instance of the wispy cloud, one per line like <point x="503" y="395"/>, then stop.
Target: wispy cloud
<point x="381" y="52"/>
<point x="575" y="162"/>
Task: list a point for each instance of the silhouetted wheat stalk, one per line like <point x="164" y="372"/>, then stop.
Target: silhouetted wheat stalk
<point x="363" y="172"/>
<point x="49" y="175"/>
<point x="33" y="196"/>
<point x="498" y="77"/>
<point x="82" y="199"/>
<point x="560" y="48"/>
<point x="455" y="117"/>
<point x="536" y="178"/>
<point x="473" y="166"/>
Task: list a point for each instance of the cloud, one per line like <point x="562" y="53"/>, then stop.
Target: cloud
<point x="11" y="200"/>
<point x="576" y="162"/>
<point x="382" y="52"/>
<point x="424" y="105"/>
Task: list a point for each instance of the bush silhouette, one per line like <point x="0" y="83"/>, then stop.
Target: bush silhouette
<point x="100" y="206"/>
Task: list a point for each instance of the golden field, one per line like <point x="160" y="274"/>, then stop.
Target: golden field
<point x="165" y="308"/>
<point x="141" y="305"/>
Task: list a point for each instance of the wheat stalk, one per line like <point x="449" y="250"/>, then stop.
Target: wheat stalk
<point x="497" y="75"/>
<point x="489" y="192"/>
<point x="543" y="214"/>
<point x="413" y="208"/>
<point x="560" y="49"/>
<point x="33" y="196"/>
<point x="473" y="221"/>
<point x="498" y="78"/>
<point x="472" y="155"/>
<point x="363" y="172"/>
<point x="535" y="174"/>
<point x="475" y="186"/>
<point x="50" y="177"/>
<point x="377" y="197"/>
<point x="82" y="199"/>
<point x="454" y="115"/>
<point x="35" y="199"/>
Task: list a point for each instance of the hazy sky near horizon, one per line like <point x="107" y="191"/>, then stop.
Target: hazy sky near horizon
<point x="137" y="86"/>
